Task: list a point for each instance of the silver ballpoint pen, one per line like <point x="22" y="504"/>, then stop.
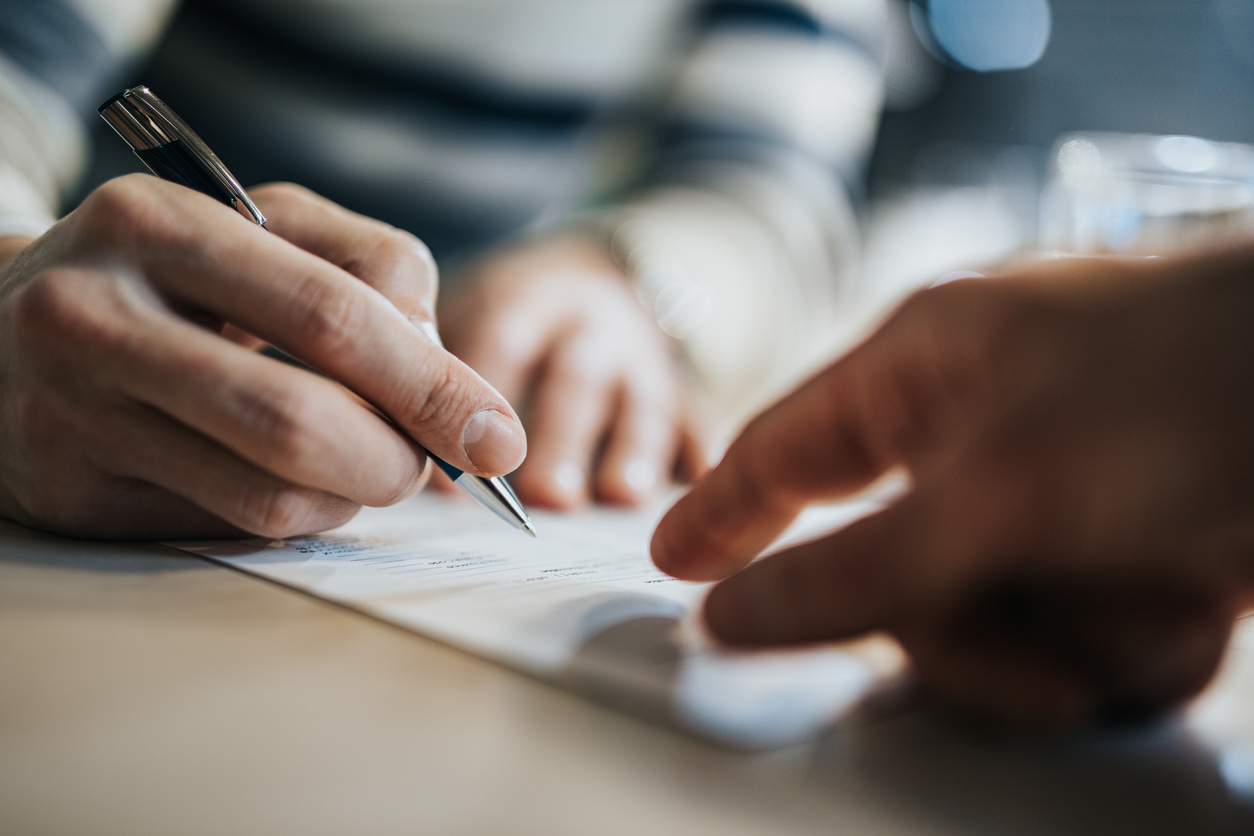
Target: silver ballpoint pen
<point x="174" y="152"/>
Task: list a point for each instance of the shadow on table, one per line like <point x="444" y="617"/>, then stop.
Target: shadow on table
<point x="27" y="546"/>
<point x="894" y="749"/>
<point x="639" y="656"/>
<point x="889" y="748"/>
<point x="1145" y="780"/>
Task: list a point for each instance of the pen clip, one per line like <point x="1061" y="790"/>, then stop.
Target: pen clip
<point x="146" y="123"/>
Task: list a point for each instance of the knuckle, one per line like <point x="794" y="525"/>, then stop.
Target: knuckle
<point x="406" y="251"/>
<point x="419" y="256"/>
<point x="283" y="190"/>
<point x="405" y="486"/>
<point x="59" y="306"/>
<point x="117" y="196"/>
<point x="140" y="214"/>
<point x="66" y="314"/>
<point x="281" y="197"/>
<point x="117" y="211"/>
<point x="43" y="306"/>
<point x="329" y="315"/>
<point x="284" y="421"/>
<point x="400" y="266"/>
<point x="330" y="512"/>
<point x="413" y="470"/>
<point x="436" y="405"/>
<point x="276" y="511"/>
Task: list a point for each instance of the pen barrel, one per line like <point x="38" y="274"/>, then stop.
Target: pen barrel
<point x="493" y="493"/>
<point x="175" y="163"/>
<point x="172" y="150"/>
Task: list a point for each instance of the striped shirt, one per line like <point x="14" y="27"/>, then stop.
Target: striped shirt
<point x="715" y="141"/>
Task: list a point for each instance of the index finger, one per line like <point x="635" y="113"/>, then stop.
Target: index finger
<point x="202" y="255"/>
<point x="917" y="556"/>
<point x="812" y="444"/>
<point x="881" y="406"/>
<point x="390" y="260"/>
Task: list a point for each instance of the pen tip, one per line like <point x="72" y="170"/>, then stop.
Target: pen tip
<point x="527" y="528"/>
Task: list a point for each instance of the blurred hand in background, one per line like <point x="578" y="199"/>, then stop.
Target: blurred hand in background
<point x="1077" y="537"/>
<point x="555" y="327"/>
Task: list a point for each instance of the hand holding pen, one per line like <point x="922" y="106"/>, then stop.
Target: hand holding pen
<point x="174" y="152"/>
<point x="142" y="410"/>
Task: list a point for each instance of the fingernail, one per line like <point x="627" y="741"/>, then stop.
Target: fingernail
<point x="570" y="479"/>
<point x="428" y="328"/>
<point x="640" y="476"/>
<point x="494" y="443"/>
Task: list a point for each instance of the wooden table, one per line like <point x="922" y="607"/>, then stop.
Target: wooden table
<point x="144" y="691"/>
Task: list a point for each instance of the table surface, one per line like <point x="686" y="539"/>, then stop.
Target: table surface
<point x="145" y="691"/>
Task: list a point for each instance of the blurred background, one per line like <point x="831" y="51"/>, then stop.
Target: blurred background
<point x="771" y="174"/>
<point x="1105" y="126"/>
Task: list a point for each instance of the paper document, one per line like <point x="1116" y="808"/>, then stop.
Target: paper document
<point x="581" y="606"/>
